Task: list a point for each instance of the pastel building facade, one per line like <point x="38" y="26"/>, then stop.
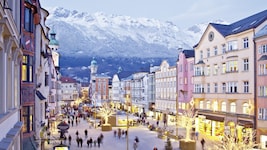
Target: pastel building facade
<point x="10" y="61"/>
<point x="261" y="85"/>
<point x="224" y="77"/>
<point x="185" y="85"/>
<point x="165" y="102"/>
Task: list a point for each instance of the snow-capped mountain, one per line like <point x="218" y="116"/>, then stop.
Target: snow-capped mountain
<point x="113" y="35"/>
<point x="132" y="44"/>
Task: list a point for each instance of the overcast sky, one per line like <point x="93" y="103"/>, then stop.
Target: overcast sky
<point x="183" y="13"/>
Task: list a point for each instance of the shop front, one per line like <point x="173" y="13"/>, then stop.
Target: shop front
<point x="210" y="125"/>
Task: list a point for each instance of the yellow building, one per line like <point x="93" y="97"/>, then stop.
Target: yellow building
<point x="224" y="77"/>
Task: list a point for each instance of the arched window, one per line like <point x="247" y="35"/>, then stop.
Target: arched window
<point x="245" y="109"/>
<point x="215" y="106"/>
<point x="208" y="105"/>
<point x="223" y="106"/>
<point x="201" y="105"/>
<point x="233" y="107"/>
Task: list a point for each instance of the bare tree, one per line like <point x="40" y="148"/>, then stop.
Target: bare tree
<point x="106" y="111"/>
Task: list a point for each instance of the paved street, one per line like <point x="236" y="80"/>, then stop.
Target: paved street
<point x="147" y="139"/>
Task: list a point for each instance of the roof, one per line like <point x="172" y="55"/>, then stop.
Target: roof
<point x="67" y="80"/>
<point x="189" y="53"/>
<point x="241" y="25"/>
<point x="262" y="32"/>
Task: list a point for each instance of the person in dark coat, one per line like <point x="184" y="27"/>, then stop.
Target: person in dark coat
<point x="202" y="143"/>
<point x="91" y="141"/>
<point x="69" y="140"/>
<point x="101" y="138"/>
<point x="81" y="142"/>
<point x="99" y="141"/>
<point x="85" y="132"/>
<point x="88" y="143"/>
<point x="78" y="141"/>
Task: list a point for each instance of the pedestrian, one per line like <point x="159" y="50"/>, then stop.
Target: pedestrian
<point x="85" y="132"/>
<point x="69" y="139"/>
<point x="77" y="133"/>
<point x="101" y="138"/>
<point x="135" y="145"/>
<point x="72" y="123"/>
<point x="98" y="141"/>
<point x="81" y="142"/>
<point x="203" y="143"/>
<point x="157" y="123"/>
<point x="91" y="141"/>
<point x="125" y="133"/>
<point x="115" y="133"/>
<point x="78" y="141"/>
<point x="196" y="135"/>
<point x="155" y="148"/>
<point x="95" y="143"/>
<point x="88" y="143"/>
<point x="136" y="139"/>
<point x="119" y="133"/>
<point x="65" y="139"/>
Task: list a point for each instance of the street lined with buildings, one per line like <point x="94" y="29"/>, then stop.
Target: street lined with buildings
<point x="221" y="82"/>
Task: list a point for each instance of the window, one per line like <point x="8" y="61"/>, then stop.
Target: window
<point x="185" y="80"/>
<point x="199" y="88"/>
<point x="233" y="107"/>
<point x="201" y="105"/>
<point x="27" y="117"/>
<point x="223" y="106"/>
<point x="232" y="66"/>
<point x="215" y="51"/>
<point x="223" y="87"/>
<point x="215" y="106"/>
<point x="208" y="105"/>
<point x="245" y="64"/>
<point x="262" y="114"/>
<point x="245" y="108"/>
<point x="245" y="42"/>
<point x="263" y="91"/>
<point x="262" y="49"/>
<point x="262" y="69"/>
<point x="215" y="88"/>
<point x="201" y="55"/>
<point x="232" y="87"/>
<point x="27" y="68"/>
<point x="181" y="68"/>
<point x="28" y="19"/>
<point x="208" y="53"/>
<point x="246" y="87"/>
<point x="199" y="71"/>
<point x="223" y="68"/>
<point x="223" y="49"/>
<point x="208" y="88"/>
<point x="191" y="66"/>
<point x="215" y="69"/>
<point x="232" y="45"/>
<point x="208" y="71"/>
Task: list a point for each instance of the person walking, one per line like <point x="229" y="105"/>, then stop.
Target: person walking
<point x="115" y="133"/>
<point x="91" y="141"/>
<point x="135" y="145"/>
<point x="98" y="141"/>
<point x="197" y="135"/>
<point x="85" y="133"/>
<point x="101" y="138"/>
<point x="69" y="139"/>
<point x="81" y="142"/>
<point x="78" y="141"/>
<point x="88" y="143"/>
<point x="202" y="143"/>
<point x="77" y="133"/>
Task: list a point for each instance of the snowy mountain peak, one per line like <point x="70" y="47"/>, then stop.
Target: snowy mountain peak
<point x="116" y="35"/>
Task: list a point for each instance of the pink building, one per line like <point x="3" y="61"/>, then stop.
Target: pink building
<point x="185" y="72"/>
<point x="261" y="85"/>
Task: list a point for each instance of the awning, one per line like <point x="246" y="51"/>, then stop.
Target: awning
<point x="215" y="118"/>
<point x="245" y="123"/>
<point x="40" y="95"/>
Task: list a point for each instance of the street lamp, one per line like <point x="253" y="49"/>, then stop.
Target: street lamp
<point x="177" y="109"/>
<point x="127" y="126"/>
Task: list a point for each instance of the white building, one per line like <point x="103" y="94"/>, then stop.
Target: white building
<point x="165" y="79"/>
<point x="139" y="87"/>
<point x="70" y="90"/>
<point x="10" y="60"/>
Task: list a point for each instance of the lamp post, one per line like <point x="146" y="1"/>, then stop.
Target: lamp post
<point x="127" y="125"/>
<point x="177" y="109"/>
